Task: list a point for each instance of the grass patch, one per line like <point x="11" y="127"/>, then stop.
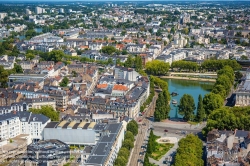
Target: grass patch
<point x="68" y="164"/>
<point x="72" y="158"/>
<point x="73" y="147"/>
<point x="161" y="150"/>
<point x="193" y="123"/>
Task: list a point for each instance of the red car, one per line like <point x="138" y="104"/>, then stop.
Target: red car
<point x="166" y="130"/>
<point x="139" y="120"/>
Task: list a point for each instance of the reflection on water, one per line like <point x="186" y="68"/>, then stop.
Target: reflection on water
<point x="194" y="88"/>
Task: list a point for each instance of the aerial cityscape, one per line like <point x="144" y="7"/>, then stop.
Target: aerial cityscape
<point x="124" y="83"/>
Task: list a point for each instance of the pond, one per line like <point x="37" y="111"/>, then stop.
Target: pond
<point x="193" y="88"/>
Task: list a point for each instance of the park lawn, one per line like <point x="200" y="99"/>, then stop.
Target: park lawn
<point x="161" y="150"/>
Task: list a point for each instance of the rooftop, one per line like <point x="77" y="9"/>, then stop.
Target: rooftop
<point x="120" y="87"/>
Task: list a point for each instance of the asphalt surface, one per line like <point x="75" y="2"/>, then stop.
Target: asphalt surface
<point x="143" y="132"/>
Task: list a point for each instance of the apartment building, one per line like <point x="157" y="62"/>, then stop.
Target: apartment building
<point x="125" y="73"/>
<point x="243" y="91"/>
<point x="107" y="148"/>
<point x="16" y="123"/>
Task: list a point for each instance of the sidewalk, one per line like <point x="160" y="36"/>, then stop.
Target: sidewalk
<point x="179" y="125"/>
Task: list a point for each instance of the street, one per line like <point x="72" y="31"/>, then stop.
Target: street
<point x="142" y="134"/>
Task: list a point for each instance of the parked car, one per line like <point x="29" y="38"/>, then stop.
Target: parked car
<point x="140" y="120"/>
<point x="79" y="160"/>
<point x="165" y="130"/>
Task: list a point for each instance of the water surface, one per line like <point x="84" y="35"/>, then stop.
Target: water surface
<point x="193" y="88"/>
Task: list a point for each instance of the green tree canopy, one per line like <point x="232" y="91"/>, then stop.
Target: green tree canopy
<point x="129" y="62"/>
<point x="187" y="107"/>
<point x="55" y="55"/>
<point x="129" y="135"/>
<point x="132" y="127"/>
<point x="200" y="110"/>
<point x="157" y="67"/>
<point x="220" y="89"/>
<point x="138" y="63"/>
<point x="162" y="107"/>
<point x="120" y="161"/>
<point x="64" y="82"/>
<point x="211" y="102"/>
<point x="228" y="71"/>
<point x="184" y="65"/>
<point x="215" y="65"/>
<point x="46" y="111"/>
<point x="229" y="119"/>
<point x="238" y="75"/>
<point x="108" y="50"/>
<point x="128" y="144"/>
<point x="189" y="152"/>
<point x="4" y="77"/>
<point x="124" y="152"/>
<point x="30" y="56"/>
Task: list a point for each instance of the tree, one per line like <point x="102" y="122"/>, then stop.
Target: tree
<point x="129" y="135"/>
<point x="46" y="111"/>
<point x="30" y="33"/>
<point x="138" y="63"/>
<point x="244" y="57"/>
<point x="132" y="127"/>
<point x="129" y="62"/>
<point x="162" y="107"/>
<point x="146" y="160"/>
<point x="124" y="152"/>
<point x="4" y="77"/>
<point x="110" y="61"/>
<point x="2" y="50"/>
<point x="187" y="107"/>
<point x="231" y="118"/>
<point x="55" y="55"/>
<point x="128" y="144"/>
<point x="185" y="31"/>
<point x="225" y="81"/>
<point x="189" y="152"/>
<point x="184" y="65"/>
<point x="200" y="110"/>
<point x="17" y="68"/>
<point x="238" y="75"/>
<point x="64" y="82"/>
<point x="215" y="65"/>
<point x="30" y="56"/>
<point x="151" y="143"/>
<point x="120" y="161"/>
<point x="14" y="51"/>
<point x="124" y="52"/>
<point x="108" y="50"/>
<point x="228" y="71"/>
<point x="123" y="33"/>
<point x="220" y="89"/>
<point x="157" y="67"/>
<point x="211" y="102"/>
<point x="74" y="73"/>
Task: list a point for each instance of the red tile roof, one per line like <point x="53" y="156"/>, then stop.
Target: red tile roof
<point x="120" y="87"/>
<point x="101" y="86"/>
